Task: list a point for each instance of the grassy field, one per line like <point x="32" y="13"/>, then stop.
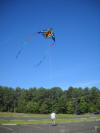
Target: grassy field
<point x="85" y="117"/>
<point x="9" y="114"/>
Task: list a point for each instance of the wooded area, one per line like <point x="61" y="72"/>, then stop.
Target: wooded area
<point x="42" y="100"/>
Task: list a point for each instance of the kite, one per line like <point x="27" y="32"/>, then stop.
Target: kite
<point x="46" y="34"/>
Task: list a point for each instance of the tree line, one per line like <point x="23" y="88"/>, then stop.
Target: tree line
<point x="42" y="100"/>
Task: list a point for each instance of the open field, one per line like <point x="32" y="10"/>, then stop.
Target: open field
<point x="21" y="118"/>
<point x="40" y="123"/>
<point x="9" y="114"/>
<point x="6" y="114"/>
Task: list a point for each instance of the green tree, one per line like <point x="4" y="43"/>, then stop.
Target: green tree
<point x="83" y="105"/>
<point x="70" y="107"/>
<point x="21" y="101"/>
<point x="44" y="100"/>
<point x="43" y="108"/>
<point x="61" y="105"/>
<point x="29" y="107"/>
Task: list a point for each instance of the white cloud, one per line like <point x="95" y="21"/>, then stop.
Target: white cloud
<point x="87" y="83"/>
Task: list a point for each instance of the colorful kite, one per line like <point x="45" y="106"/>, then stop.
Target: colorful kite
<point x="47" y="34"/>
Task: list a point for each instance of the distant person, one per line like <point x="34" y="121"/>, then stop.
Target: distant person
<point x="53" y="119"/>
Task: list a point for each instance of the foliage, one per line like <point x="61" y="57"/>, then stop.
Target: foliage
<point x="42" y="100"/>
<point x="70" y="107"/>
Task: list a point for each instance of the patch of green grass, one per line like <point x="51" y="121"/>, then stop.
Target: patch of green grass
<point x="9" y="114"/>
<point x="24" y="122"/>
<point x="74" y="115"/>
<point x="79" y="120"/>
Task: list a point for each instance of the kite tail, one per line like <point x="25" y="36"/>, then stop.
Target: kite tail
<point x="26" y="41"/>
<point x="44" y="56"/>
<point x="19" y="52"/>
<point x="51" y="45"/>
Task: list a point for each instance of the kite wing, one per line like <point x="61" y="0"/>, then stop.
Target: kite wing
<point x="53" y="37"/>
<point x="43" y="33"/>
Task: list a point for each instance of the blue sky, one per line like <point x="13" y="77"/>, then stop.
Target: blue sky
<point x="74" y="60"/>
